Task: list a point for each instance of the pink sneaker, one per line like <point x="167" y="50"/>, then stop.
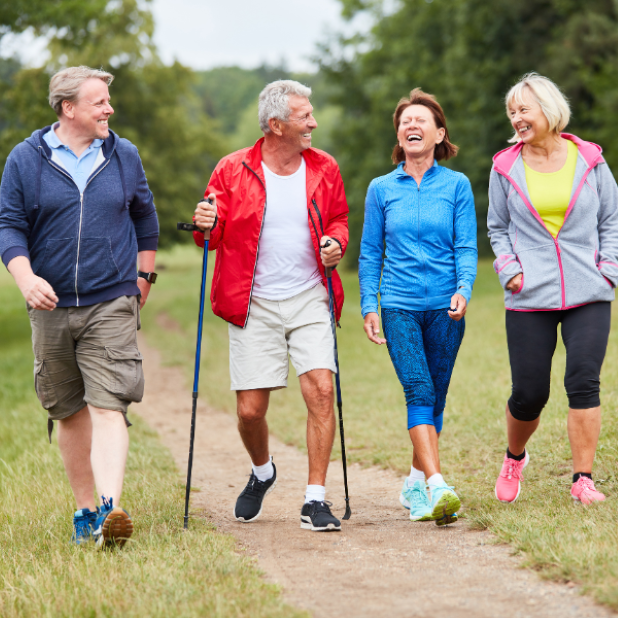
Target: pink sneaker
<point x="508" y="484"/>
<point x="584" y="491"/>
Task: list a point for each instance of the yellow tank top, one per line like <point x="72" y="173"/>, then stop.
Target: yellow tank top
<point x="550" y="192"/>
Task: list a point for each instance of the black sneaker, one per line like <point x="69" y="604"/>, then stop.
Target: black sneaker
<point x="249" y="504"/>
<point x="317" y="516"/>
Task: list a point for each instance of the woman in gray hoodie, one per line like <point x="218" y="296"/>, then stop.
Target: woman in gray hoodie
<point x="553" y="225"/>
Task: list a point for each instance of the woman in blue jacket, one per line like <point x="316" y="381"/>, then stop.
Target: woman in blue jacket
<point x="419" y="238"/>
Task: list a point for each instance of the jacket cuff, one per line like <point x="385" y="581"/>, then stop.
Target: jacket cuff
<point x="610" y="271"/>
<point x="465" y="290"/>
<point x="13" y="252"/>
<point x="148" y="244"/>
<point x="369" y="309"/>
<point x="507" y="266"/>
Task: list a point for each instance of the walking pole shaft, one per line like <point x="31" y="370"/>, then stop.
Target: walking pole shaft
<point x="189" y="227"/>
<point x="333" y="321"/>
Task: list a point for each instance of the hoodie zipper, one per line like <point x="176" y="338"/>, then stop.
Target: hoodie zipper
<point x="257" y="251"/>
<point x="81" y="213"/>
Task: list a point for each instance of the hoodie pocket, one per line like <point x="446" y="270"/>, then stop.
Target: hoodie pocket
<point x="541" y="271"/>
<point x="57" y="265"/>
<point x="97" y="267"/>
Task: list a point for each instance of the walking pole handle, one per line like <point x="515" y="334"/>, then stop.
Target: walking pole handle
<point x="191" y="227"/>
<point x="328" y="271"/>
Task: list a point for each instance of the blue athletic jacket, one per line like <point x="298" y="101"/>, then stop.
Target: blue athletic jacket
<point x="84" y="245"/>
<point x="421" y="241"/>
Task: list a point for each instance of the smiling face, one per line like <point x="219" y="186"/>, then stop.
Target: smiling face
<point x="528" y="119"/>
<point x="296" y="131"/>
<point x="418" y="134"/>
<point x="91" y="112"/>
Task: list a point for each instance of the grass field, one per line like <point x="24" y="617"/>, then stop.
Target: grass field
<point x="162" y="571"/>
<point x="563" y="541"/>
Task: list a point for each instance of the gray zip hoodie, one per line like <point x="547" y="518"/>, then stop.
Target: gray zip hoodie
<point x="580" y="266"/>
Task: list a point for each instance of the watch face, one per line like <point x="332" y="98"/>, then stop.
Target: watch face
<point x="152" y="278"/>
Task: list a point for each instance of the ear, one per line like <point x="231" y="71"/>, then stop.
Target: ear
<point x="275" y="126"/>
<point x="440" y="135"/>
<point x="68" y="109"/>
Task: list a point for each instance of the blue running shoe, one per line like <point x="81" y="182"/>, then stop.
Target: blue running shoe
<point x="113" y="525"/>
<point x="416" y="500"/>
<point x="83" y="526"/>
<point x="444" y="505"/>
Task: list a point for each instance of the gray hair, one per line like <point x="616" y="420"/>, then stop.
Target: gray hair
<point x="65" y="85"/>
<point x="274" y="101"/>
<point x="553" y="103"/>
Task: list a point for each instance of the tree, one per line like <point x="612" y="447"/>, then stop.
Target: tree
<point x="468" y="53"/>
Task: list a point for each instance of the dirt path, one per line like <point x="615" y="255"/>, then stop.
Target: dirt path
<point x="381" y="564"/>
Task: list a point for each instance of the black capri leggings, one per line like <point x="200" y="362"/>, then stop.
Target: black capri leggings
<point x="532" y="337"/>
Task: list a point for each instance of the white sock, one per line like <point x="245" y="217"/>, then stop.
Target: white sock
<point x="435" y="481"/>
<point x="265" y="472"/>
<point x="315" y="492"/>
<point x="415" y="475"/>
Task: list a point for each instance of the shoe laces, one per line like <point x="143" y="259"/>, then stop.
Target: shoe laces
<point x="108" y="504"/>
<point x="588" y="486"/>
<point x="254" y="487"/>
<point x="321" y="506"/>
<point x="418" y="496"/>
<point x="513" y="468"/>
<point x="82" y="525"/>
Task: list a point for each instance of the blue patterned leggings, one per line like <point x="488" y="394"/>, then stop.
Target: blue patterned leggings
<point x="423" y="346"/>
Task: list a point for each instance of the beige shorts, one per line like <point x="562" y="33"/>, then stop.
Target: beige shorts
<point x="299" y="326"/>
<point x="87" y="355"/>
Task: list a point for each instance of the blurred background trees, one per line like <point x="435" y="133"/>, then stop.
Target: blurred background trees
<point x="466" y="52"/>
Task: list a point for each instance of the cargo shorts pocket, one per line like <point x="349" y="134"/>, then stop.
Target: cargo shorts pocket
<point x="44" y="388"/>
<point x="126" y="376"/>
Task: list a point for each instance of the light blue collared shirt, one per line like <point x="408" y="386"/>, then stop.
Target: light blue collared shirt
<point x="79" y="168"/>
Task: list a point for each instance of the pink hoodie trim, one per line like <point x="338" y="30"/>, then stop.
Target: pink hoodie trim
<point x="608" y="263"/>
<point x="556" y="309"/>
<point x="498" y="271"/>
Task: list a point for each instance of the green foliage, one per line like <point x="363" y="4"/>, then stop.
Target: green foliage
<point x="468" y="53"/>
<point x="156" y="105"/>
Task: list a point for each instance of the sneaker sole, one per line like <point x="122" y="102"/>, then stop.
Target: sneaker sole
<point x="449" y="519"/>
<point x="116" y="529"/>
<point x="445" y="508"/>
<point x="248" y="521"/>
<point x="518" y="485"/>
<point x="306" y="524"/>
<point x="427" y="517"/>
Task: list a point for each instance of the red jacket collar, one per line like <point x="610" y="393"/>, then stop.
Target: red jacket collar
<point x="315" y="160"/>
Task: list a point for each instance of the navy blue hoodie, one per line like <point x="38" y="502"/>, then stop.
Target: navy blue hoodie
<point x="84" y="245"/>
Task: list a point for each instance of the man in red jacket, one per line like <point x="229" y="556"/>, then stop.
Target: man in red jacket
<point x="274" y="207"/>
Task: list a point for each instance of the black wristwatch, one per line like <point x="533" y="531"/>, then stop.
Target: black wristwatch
<point x="150" y="277"/>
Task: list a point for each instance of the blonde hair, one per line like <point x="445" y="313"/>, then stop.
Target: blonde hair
<point x="65" y="85"/>
<point x="553" y="103"/>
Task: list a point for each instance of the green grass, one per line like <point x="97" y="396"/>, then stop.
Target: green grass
<point x="161" y="571"/>
<point x="563" y="541"/>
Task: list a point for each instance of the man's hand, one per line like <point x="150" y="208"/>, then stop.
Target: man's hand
<point x="206" y="213"/>
<point x="458" y="307"/>
<point x="514" y="285"/>
<point x="331" y="255"/>
<point x="144" y="289"/>
<point x="37" y="292"/>
<point x="372" y="328"/>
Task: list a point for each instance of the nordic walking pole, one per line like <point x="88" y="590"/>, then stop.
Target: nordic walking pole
<point x="191" y="227"/>
<point x="333" y="322"/>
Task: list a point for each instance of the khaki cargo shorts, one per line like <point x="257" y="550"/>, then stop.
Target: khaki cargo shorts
<point x="299" y="326"/>
<point x="87" y="355"/>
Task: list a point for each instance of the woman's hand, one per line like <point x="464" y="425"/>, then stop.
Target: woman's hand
<point x="372" y="328"/>
<point x="458" y="307"/>
<point x="514" y="285"/>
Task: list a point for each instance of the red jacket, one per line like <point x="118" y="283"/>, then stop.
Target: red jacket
<point x="239" y="184"/>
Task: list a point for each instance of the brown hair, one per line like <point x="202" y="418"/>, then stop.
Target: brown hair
<point x="444" y="150"/>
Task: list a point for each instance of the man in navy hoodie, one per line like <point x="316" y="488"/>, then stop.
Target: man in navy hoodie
<point x="76" y="218"/>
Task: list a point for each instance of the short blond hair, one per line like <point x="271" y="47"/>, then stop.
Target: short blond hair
<point x="65" y="85"/>
<point x="553" y="103"/>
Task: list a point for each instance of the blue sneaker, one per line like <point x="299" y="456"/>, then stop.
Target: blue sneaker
<point x="83" y="526"/>
<point x="444" y="505"/>
<point x="113" y="525"/>
<point x="416" y="500"/>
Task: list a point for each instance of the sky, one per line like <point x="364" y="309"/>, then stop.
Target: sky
<point x="203" y="34"/>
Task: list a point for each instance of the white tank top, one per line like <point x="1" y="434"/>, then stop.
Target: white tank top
<point x="286" y="264"/>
